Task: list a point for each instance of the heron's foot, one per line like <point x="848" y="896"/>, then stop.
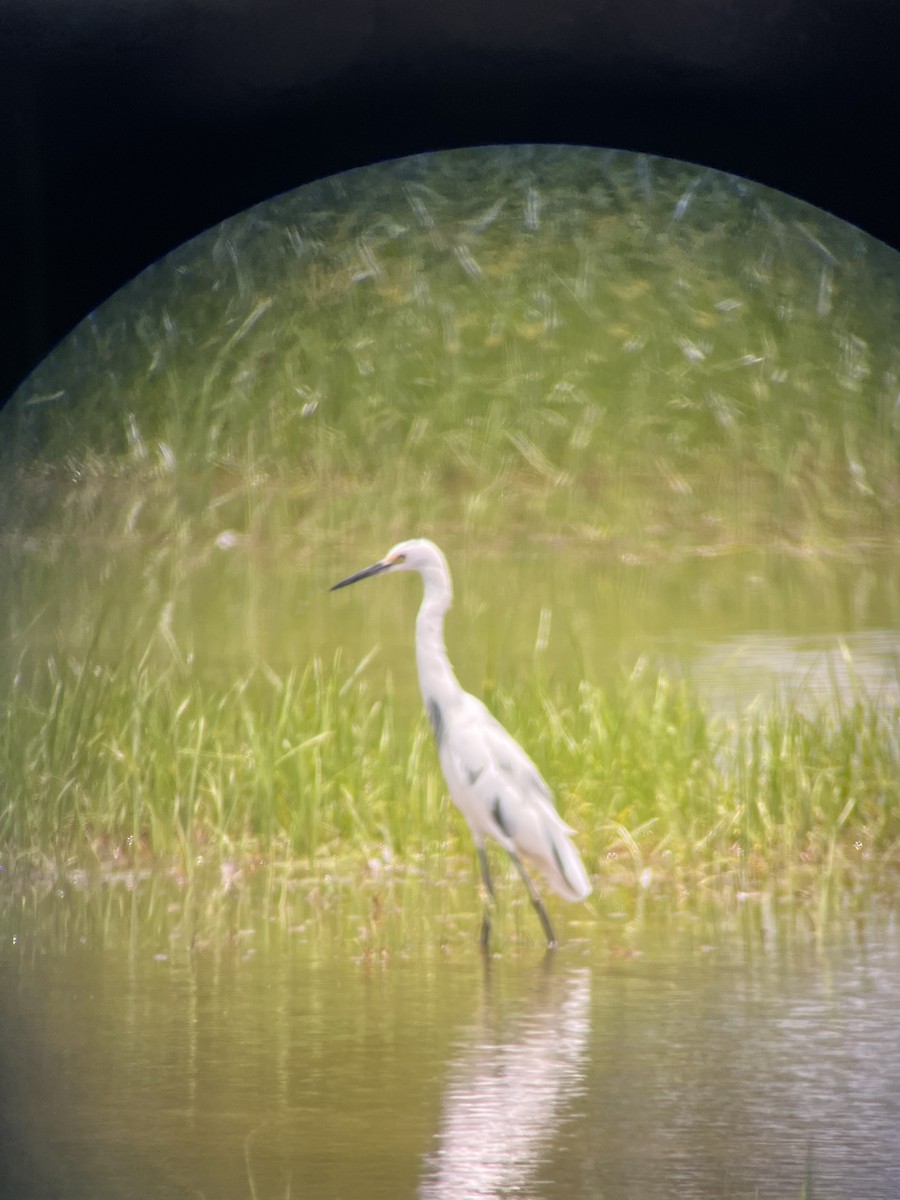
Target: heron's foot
<point x="552" y="943"/>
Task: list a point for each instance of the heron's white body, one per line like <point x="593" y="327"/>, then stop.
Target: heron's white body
<point x="491" y="779"/>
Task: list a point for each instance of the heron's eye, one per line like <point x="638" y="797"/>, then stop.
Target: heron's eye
<point x="399" y="558"/>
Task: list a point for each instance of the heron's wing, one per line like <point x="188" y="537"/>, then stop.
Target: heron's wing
<point x="513" y="760"/>
<point x="487" y="768"/>
<point x="502" y="795"/>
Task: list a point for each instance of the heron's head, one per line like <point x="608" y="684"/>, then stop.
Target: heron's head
<point x="416" y="555"/>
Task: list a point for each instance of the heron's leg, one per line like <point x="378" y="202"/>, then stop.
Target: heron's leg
<point x="485" y="871"/>
<point x="485" y="938"/>
<point x="538" y="904"/>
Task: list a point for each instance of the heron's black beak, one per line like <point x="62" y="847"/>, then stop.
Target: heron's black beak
<point x="376" y="569"/>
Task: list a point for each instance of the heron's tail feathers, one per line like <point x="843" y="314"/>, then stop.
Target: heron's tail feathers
<point x="563" y="868"/>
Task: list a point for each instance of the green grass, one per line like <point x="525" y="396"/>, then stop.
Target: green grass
<point x="661" y="365"/>
<point x="146" y="762"/>
<point x="724" y="378"/>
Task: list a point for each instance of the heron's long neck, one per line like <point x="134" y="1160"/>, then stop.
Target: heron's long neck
<point x="436" y="678"/>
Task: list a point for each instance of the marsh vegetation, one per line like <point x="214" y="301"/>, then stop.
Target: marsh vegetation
<point x="651" y="415"/>
<point x="631" y="399"/>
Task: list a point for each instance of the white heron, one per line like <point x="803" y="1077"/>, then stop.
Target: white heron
<point x="491" y="779"/>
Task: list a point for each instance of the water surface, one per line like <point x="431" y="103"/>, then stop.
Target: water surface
<point x="161" y="1043"/>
